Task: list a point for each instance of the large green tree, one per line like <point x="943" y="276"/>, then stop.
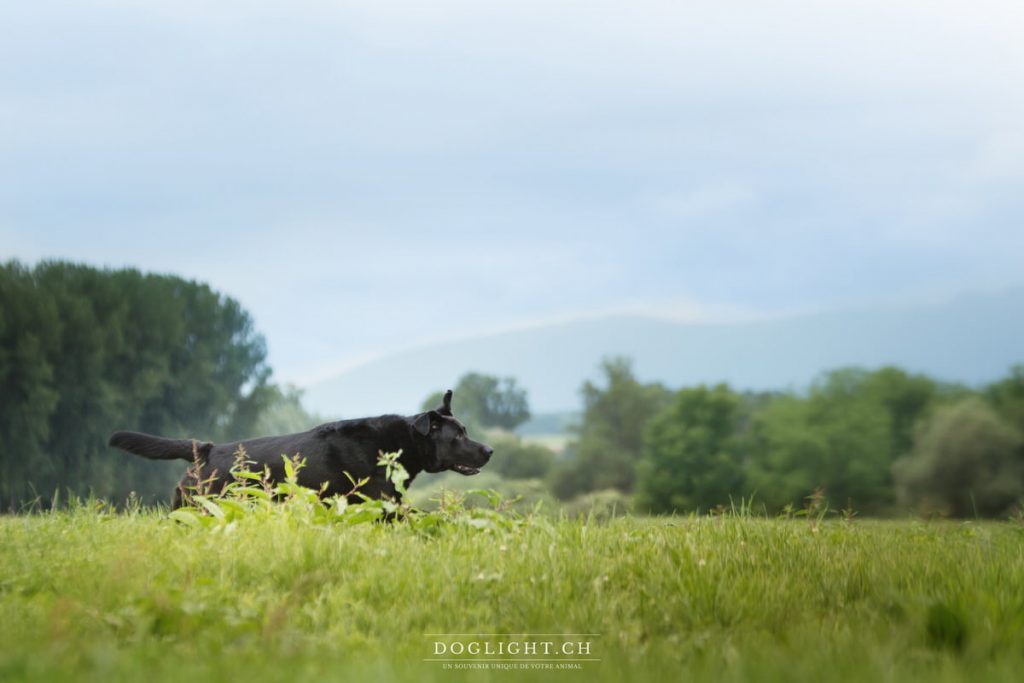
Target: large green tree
<point x="693" y="454"/>
<point x="85" y="351"/>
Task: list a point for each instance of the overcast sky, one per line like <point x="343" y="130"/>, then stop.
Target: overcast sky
<point x="367" y="176"/>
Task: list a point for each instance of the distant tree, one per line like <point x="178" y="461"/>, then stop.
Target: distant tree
<point x="486" y="401"/>
<point x="284" y="413"/>
<point x="906" y="397"/>
<point x="433" y="400"/>
<point x="693" y="453"/>
<point x="788" y="460"/>
<point x="967" y="461"/>
<point x="610" y="442"/>
<point x="517" y="459"/>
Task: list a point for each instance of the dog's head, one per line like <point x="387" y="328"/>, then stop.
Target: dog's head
<point x="452" y="448"/>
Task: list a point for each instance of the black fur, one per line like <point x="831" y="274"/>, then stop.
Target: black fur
<point x="433" y="441"/>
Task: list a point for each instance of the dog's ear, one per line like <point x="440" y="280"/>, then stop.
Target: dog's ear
<point x="446" y="406"/>
<point x="423" y="422"/>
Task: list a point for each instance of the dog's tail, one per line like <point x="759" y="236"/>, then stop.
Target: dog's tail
<point x="157" y="448"/>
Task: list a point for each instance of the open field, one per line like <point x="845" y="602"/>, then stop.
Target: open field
<point x="94" y="596"/>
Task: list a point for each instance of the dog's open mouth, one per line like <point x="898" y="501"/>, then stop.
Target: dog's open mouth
<point x="466" y="469"/>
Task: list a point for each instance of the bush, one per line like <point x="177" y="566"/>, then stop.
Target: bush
<point x="515" y="459"/>
<point x="966" y="461"/>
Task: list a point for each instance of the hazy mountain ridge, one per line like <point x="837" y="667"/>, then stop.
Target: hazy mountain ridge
<point x="971" y="339"/>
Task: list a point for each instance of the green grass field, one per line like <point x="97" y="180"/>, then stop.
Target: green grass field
<point x="97" y="596"/>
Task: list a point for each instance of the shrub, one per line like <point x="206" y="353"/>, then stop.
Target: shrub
<point x="966" y="461"/>
<point x="515" y="459"/>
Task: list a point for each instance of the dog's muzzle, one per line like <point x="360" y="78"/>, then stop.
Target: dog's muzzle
<point x="469" y="470"/>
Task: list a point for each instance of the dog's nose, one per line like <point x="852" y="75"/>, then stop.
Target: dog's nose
<point x="488" y="451"/>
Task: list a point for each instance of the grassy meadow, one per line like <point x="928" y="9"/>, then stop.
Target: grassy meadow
<point x="283" y="593"/>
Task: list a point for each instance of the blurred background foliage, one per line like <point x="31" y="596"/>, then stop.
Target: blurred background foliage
<point x="85" y="351"/>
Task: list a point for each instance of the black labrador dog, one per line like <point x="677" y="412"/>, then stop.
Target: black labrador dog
<point x="433" y="441"/>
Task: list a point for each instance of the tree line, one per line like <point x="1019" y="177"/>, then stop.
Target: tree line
<point x="878" y="441"/>
<point x="85" y="351"/>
